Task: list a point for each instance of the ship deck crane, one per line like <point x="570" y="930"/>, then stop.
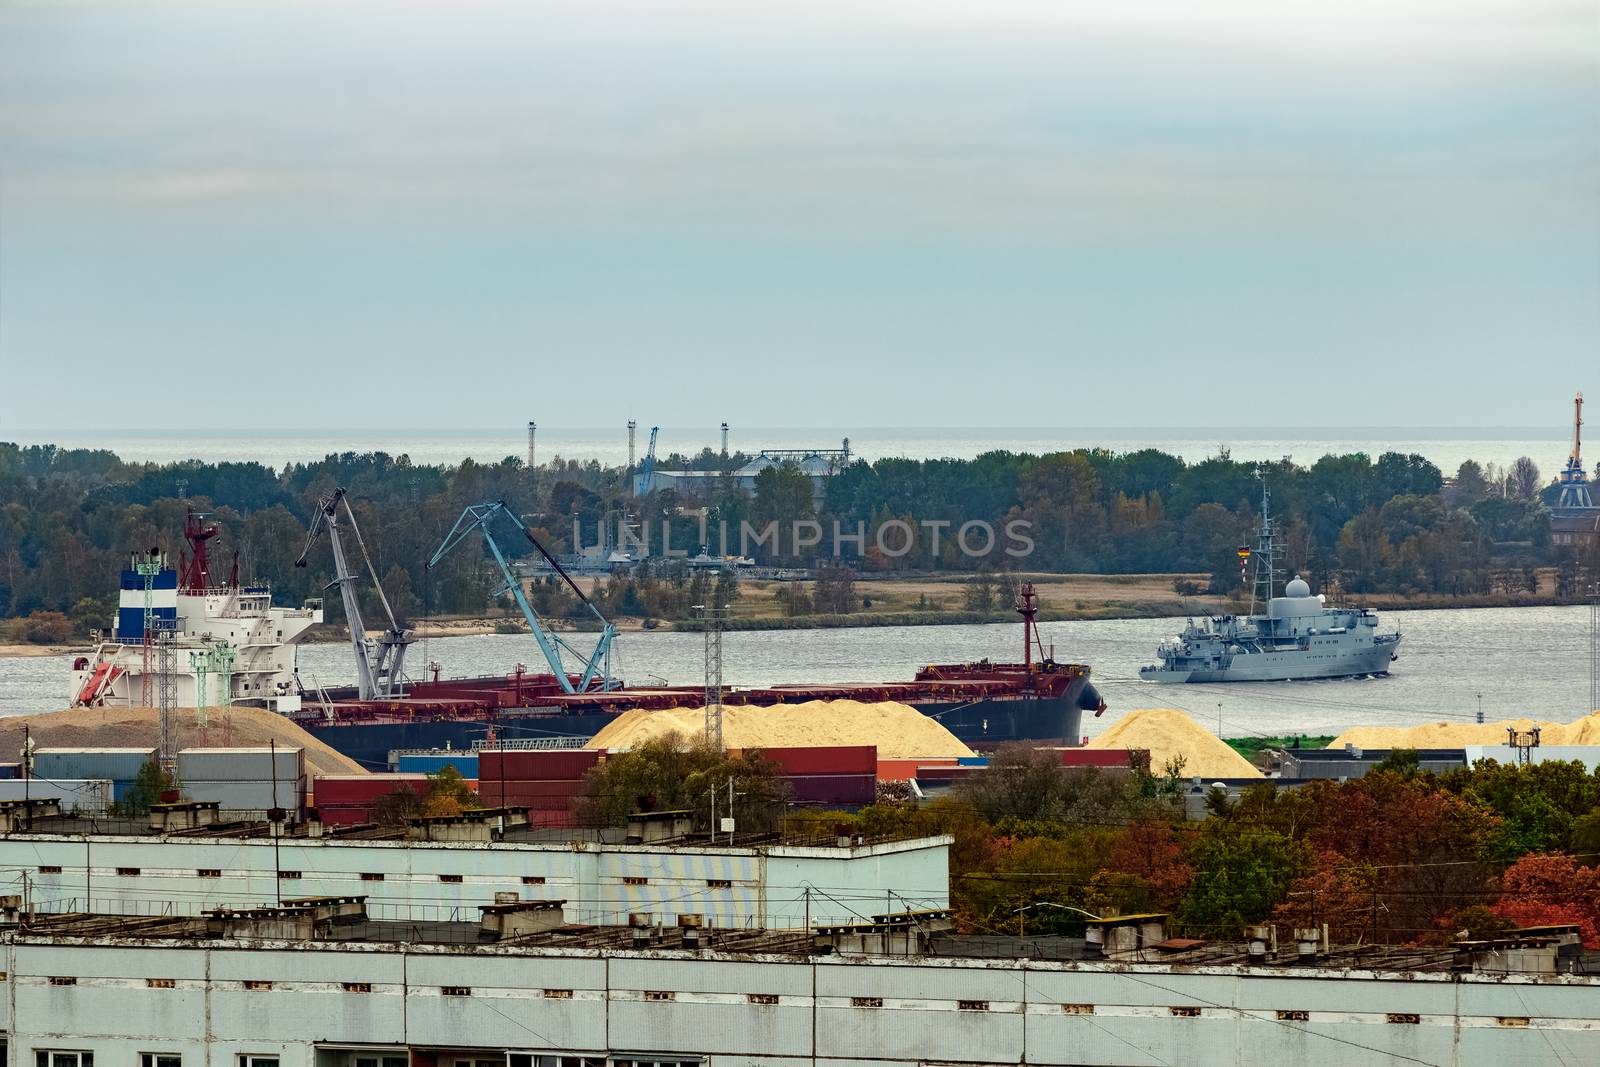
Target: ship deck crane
<point x="597" y="664"/>
<point x="379" y="663"/>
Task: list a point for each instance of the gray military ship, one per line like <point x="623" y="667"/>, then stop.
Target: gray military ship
<point x="1299" y="637"/>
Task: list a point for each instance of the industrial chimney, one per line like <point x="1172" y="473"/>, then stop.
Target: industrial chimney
<point x="724" y="438"/>
<point x="531" y="461"/>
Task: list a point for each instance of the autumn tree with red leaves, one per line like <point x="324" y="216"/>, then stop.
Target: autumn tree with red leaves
<point x="1551" y="889"/>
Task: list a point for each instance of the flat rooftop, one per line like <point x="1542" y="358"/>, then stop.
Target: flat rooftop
<point x="1466" y="957"/>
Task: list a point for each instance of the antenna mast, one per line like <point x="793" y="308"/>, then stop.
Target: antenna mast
<point x="1264" y="555"/>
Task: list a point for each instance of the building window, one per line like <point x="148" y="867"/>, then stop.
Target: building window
<point x="1405" y="1018"/>
<point x="533" y="879"/>
<point x="1185" y="1013"/>
<point x="289" y="876"/>
<point x="159" y="983"/>
<point x="1078" y="1009"/>
<point x="49" y="1057"/>
<point x="128" y="872"/>
<point x="659" y="995"/>
<point x="547" y="1059"/>
<point x="357" y="987"/>
<point x="866" y="1002"/>
<point x="558" y="994"/>
<point x="1294" y="1016"/>
<point x="257" y="986"/>
<point x="208" y="872"/>
<point x="49" y="868"/>
<point x="160" y="1059"/>
<point x="972" y="1005"/>
<point x="449" y="878"/>
<point x="63" y="980"/>
<point x="719" y="883"/>
<point x="635" y="880"/>
<point x="763" y="998"/>
<point x="371" y="876"/>
<point x="248" y="1060"/>
<point x="456" y="990"/>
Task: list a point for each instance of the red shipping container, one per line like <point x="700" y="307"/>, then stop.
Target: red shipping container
<point x="535" y="764"/>
<point x="492" y="796"/>
<point x="834" y="789"/>
<point x="362" y="789"/>
<point x="899" y="770"/>
<point x="532" y="789"/>
<point x="831" y="759"/>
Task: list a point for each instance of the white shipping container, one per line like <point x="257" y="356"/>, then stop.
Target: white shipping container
<point x="248" y="796"/>
<point x="223" y="764"/>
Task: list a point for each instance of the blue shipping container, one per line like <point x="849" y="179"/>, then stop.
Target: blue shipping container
<point x="465" y="763"/>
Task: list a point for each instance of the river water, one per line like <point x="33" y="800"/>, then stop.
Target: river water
<point x="1519" y="661"/>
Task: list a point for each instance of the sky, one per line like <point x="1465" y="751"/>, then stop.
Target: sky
<point x="347" y="215"/>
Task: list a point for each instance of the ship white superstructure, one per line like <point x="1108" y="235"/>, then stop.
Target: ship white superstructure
<point x="226" y="639"/>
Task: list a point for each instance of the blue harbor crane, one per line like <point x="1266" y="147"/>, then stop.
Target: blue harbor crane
<point x="647" y="479"/>
<point x="596" y="665"/>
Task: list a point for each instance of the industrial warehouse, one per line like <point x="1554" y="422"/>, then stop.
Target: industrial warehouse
<point x="187" y="940"/>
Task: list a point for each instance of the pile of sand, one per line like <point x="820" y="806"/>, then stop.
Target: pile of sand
<point x="1167" y="733"/>
<point x="141" y="728"/>
<point x="1585" y="731"/>
<point x="899" y="730"/>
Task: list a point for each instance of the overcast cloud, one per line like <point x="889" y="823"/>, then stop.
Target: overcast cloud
<point x="1140" y="213"/>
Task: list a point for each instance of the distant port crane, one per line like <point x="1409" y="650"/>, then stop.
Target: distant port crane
<point x="380" y="664"/>
<point x="597" y="664"/>
<point x="647" y="478"/>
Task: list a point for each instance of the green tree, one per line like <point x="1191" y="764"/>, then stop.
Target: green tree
<point x="1240" y="875"/>
<point x="672" y="773"/>
<point x="148" y="785"/>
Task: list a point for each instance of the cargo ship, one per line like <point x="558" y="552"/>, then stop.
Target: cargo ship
<point x="983" y="703"/>
<point x="183" y="630"/>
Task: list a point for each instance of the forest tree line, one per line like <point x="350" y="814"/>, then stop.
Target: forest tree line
<point x="70" y="518"/>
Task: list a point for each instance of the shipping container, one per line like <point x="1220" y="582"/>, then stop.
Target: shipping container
<point x="239" y="764"/>
<point x="833" y="789"/>
<point x="536" y="764"/>
<point x="110" y="763"/>
<point x="362" y="789"/>
<point x="10" y="770"/>
<point x="465" y="763"/>
<point x="900" y="770"/>
<point x="247" y="795"/>
<point x="830" y="759"/>
<point x="86" y="795"/>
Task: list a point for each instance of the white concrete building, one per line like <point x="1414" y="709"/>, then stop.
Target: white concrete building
<point x="768" y="886"/>
<point x="130" y="1001"/>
